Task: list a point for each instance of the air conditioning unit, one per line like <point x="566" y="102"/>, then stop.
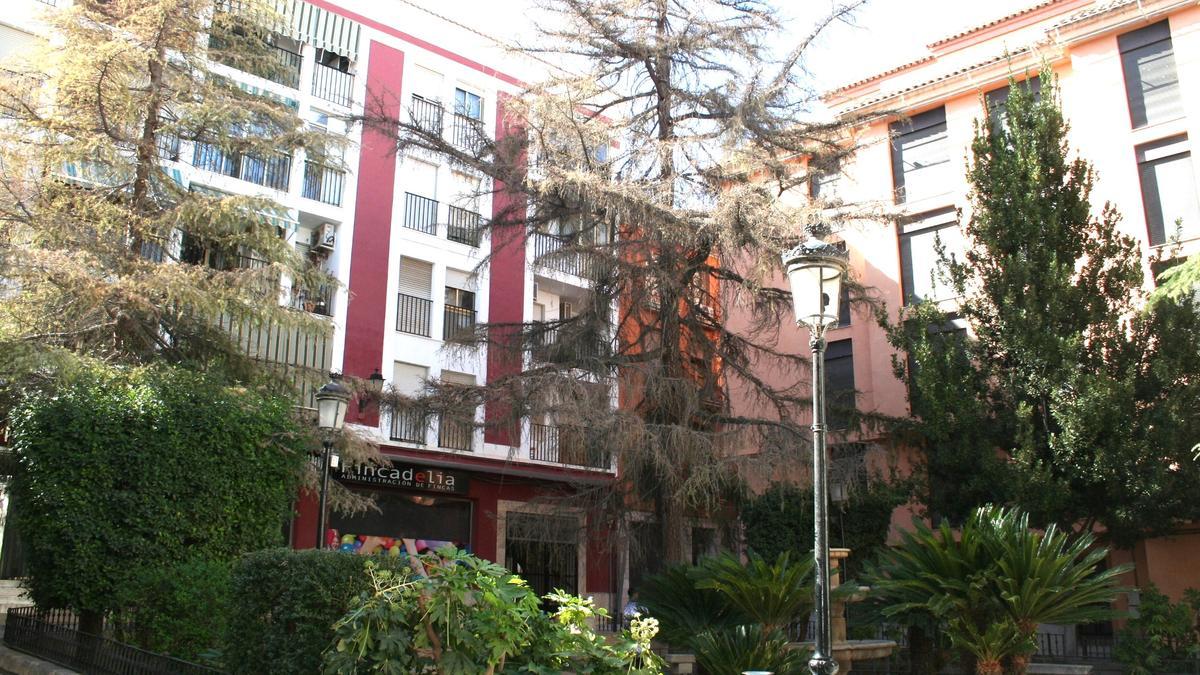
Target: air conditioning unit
<point x="325" y="236"/>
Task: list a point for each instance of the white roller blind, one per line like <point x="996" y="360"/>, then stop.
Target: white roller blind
<point x="458" y="378"/>
<point x="459" y="279"/>
<point x="416" y="278"/>
<point x="420" y="178"/>
<point x="426" y="83"/>
<point x="13" y="40"/>
<point x="409" y="379"/>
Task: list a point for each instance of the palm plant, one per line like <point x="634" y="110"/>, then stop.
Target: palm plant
<point x="993" y="583"/>
<point x="683" y="610"/>
<point x="773" y="594"/>
<point x="743" y="648"/>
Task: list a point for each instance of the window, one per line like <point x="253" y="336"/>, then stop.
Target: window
<point x="414" y="304"/>
<point x="1151" y="82"/>
<point x="996" y="102"/>
<point x="468" y="104"/>
<point x="409" y="424"/>
<point x="920" y="156"/>
<point x="459" y="317"/>
<point x="333" y="60"/>
<point x="839" y="382"/>
<point x="456" y="428"/>
<point x="921" y="271"/>
<point x="826" y="180"/>
<point x="1168" y="190"/>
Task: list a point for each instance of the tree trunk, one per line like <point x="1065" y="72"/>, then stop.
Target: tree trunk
<point x="921" y="658"/>
<point x="91" y="630"/>
<point x="988" y="667"/>
<point x="673" y="529"/>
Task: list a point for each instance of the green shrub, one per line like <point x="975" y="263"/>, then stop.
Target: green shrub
<point x="1161" y="632"/>
<point x="180" y="610"/>
<point x="683" y="610"/>
<point x="467" y="615"/>
<point x="285" y="605"/>
<point x="123" y="471"/>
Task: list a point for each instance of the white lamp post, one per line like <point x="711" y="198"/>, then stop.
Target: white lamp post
<point x="815" y="271"/>
<point x="332" y="401"/>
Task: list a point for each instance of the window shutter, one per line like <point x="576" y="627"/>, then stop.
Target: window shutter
<point x="416" y="278"/>
<point x="839" y="379"/>
<point x="1151" y="80"/>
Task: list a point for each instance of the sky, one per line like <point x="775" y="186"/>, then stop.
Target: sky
<point x="884" y="33"/>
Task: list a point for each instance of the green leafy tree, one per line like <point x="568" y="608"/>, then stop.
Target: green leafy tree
<point x="991" y="583"/>
<point x="1162" y="632"/>
<point x="124" y="471"/>
<point x="1063" y="387"/>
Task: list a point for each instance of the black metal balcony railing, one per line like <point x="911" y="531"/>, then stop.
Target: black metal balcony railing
<point x="273" y="172"/>
<point x="409" y="426"/>
<point x="283" y="67"/>
<point x="420" y="213"/>
<point x="323" y="184"/>
<point x="545" y="252"/>
<point x="333" y="85"/>
<point x="468" y="134"/>
<point x="168" y="147"/>
<point x="412" y="315"/>
<point x="456" y="433"/>
<point x="315" y="301"/>
<point x="563" y="445"/>
<point x="457" y="322"/>
<point x="552" y="346"/>
<point x="426" y="115"/>
<point x="464" y="226"/>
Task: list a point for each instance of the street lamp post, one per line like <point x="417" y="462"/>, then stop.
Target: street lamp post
<point x="815" y="270"/>
<point x="332" y="400"/>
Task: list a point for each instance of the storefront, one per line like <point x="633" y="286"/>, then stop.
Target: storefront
<point x="493" y="510"/>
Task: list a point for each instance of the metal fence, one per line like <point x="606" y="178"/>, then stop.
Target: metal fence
<point x="563" y="445"/>
<point x="409" y="426"/>
<point x="54" y="635"/>
<point x="455" y="433"/>
<point x="426" y="115"/>
<point x="457" y="322"/>
<point x="547" y="253"/>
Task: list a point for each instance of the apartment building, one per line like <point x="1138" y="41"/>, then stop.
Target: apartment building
<point x="1130" y="89"/>
<point x="403" y="234"/>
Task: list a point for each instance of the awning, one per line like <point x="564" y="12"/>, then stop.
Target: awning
<point x="321" y="28"/>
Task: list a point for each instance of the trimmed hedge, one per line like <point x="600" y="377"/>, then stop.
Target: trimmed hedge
<point x="285" y="605"/>
<point x="179" y="610"/>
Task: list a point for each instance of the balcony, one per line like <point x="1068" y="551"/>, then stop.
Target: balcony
<point x="318" y="301"/>
<point x="468" y="134"/>
<point x="545" y="254"/>
<point x="563" y="445"/>
<point x="409" y="426"/>
<point x="458" y="322"/>
<point x="456" y="433"/>
<point x="332" y="85"/>
<point x="552" y="347"/>
<point x="279" y="65"/>
<point x="420" y="213"/>
<point x="426" y="115"/>
<point x="464" y="226"/>
<point x="413" y="314"/>
<point x="323" y="184"/>
<point x="272" y="172"/>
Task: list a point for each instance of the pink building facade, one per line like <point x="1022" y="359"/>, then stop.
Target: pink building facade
<point x="1130" y="86"/>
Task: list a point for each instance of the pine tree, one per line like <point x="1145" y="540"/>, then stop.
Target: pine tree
<point x="103" y="251"/>
<point x="1068" y="374"/>
<point x="657" y="162"/>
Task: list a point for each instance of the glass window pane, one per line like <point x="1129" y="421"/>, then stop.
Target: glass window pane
<point x="1169" y="195"/>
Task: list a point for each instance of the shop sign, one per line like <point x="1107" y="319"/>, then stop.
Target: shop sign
<point x="398" y="475"/>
